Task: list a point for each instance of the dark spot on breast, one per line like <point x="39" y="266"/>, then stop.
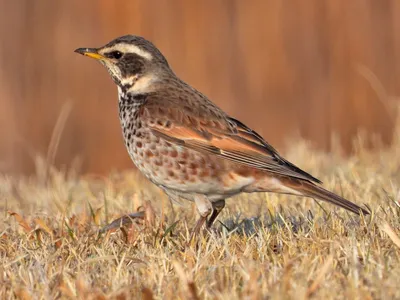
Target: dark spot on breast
<point x="171" y="173"/>
<point x="158" y="162"/>
<point x="193" y="166"/>
<point x="149" y="154"/>
<point x="173" y="153"/>
<point x="139" y="144"/>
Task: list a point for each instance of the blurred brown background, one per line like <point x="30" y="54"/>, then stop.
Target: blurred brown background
<point x="283" y="67"/>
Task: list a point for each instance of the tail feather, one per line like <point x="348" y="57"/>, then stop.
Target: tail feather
<point x="311" y="190"/>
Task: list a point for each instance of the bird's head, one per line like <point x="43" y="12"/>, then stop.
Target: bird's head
<point x="133" y="62"/>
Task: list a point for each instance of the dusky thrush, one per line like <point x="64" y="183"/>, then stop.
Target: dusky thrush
<point x="188" y="146"/>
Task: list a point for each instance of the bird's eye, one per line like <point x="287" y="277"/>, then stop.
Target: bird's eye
<point x="114" y="54"/>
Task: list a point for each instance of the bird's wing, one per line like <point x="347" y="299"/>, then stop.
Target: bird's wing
<point x="207" y="129"/>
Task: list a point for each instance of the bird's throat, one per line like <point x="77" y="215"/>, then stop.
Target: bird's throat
<point x="126" y="98"/>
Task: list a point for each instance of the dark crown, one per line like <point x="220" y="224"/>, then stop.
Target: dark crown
<point x="141" y="43"/>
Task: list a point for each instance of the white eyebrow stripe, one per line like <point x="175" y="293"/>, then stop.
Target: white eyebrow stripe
<point x="129" y="48"/>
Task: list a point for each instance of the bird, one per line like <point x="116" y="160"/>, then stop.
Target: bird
<point x="187" y="145"/>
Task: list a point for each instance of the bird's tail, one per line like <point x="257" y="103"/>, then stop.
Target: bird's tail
<point x="314" y="191"/>
<point x="301" y="187"/>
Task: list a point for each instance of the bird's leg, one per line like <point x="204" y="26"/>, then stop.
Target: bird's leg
<point x="218" y="206"/>
<point x="204" y="207"/>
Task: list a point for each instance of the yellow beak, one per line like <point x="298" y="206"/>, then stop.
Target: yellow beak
<point x="91" y="52"/>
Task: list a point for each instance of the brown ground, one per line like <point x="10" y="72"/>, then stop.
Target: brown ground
<point x="284" y="247"/>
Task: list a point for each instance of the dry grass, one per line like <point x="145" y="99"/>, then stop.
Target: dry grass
<point x="270" y="246"/>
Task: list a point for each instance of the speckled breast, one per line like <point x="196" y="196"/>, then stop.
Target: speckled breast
<point x="173" y="166"/>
